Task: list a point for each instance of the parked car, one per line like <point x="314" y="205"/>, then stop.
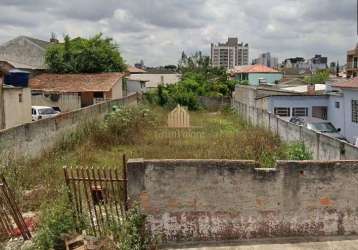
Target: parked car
<point x="319" y="125"/>
<point x="42" y="112"/>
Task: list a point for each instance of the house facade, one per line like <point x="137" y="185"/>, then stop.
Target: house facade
<point x="73" y="91"/>
<point x="153" y="80"/>
<point x="256" y="74"/>
<point x="15" y="104"/>
<point x="337" y="104"/>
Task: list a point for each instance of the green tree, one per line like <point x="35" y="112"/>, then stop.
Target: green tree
<point x="80" y="55"/>
<point x="320" y="77"/>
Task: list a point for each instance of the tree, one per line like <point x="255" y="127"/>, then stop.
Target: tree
<point x="320" y="77"/>
<point x="80" y="55"/>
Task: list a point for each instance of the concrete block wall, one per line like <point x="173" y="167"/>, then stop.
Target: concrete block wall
<point x="32" y="139"/>
<point x="322" y="146"/>
<point x="213" y="200"/>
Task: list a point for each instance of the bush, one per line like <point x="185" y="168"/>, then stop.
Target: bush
<point x="56" y="219"/>
<point x="132" y="234"/>
<point x="298" y="152"/>
<point x="124" y="125"/>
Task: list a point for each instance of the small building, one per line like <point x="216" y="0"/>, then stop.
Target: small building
<point x="136" y="84"/>
<point x="256" y="74"/>
<point x="337" y="103"/>
<point x="154" y="77"/>
<point x="26" y="53"/>
<point x="352" y="62"/>
<point x="15" y="102"/>
<point x="73" y="91"/>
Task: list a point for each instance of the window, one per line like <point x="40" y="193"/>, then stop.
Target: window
<point x="355" y="62"/>
<point x="20" y="97"/>
<point x="319" y="112"/>
<point x="98" y="95"/>
<point x="337" y="105"/>
<point x="300" y="112"/>
<point x="282" y="111"/>
<point x="355" y="111"/>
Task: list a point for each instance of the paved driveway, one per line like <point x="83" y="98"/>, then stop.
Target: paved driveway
<point x="284" y="244"/>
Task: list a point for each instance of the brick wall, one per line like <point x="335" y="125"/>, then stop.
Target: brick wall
<point x="201" y="200"/>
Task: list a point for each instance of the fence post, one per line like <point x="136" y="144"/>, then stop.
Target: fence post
<point x="125" y="182"/>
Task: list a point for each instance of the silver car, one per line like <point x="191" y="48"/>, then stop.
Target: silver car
<point x="319" y="125"/>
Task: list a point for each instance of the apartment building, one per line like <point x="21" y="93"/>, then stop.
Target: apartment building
<point x="267" y="60"/>
<point x="352" y="62"/>
<point x="229" y="54"/>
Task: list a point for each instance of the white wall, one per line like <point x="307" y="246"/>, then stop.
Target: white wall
<point x="17" y="112"/>
<point x="351" y="128"/>
<point x="297" y="102"/>
<point x="117" y="91"/>
<point x="156" y="79"/>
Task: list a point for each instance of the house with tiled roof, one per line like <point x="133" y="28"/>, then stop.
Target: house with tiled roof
<point x="72" y="91"/>
<point x="23" y="52"/>
<point x="256" y="74"/>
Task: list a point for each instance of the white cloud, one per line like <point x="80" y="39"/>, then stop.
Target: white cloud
<point x="158" y="30"/>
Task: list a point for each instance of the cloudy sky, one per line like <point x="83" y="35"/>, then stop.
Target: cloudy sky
<point x="158" y="30"/>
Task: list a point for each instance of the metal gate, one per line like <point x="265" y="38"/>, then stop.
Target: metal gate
<point x="11" y="221"/>
<point x="99" y="194"/>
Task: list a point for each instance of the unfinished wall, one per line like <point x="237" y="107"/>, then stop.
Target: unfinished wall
<point x="32" y="139"/>
<point x="66" y="102"/>
<point x="214" y="103"/>
<point x="321" y="146"/>
<point x="190" y="200"/>
<point x="17" y="105"/>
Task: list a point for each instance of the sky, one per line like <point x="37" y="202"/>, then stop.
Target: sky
<point x="157" y="31"/>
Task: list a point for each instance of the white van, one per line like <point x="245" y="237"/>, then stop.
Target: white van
<point x="42" y="112"/>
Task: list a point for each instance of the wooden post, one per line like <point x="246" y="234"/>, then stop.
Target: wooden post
<point x="125" y="183"/>
<point x="2" y="103"/>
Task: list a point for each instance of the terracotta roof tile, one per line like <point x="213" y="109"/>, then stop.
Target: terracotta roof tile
<point x="253" y="69"/>
<point x="134" y="70"/>
<point x="351" y="83"/>
<point x="102" y="82"/>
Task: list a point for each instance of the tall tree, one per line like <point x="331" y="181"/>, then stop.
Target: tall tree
<point x="80" y="55"/>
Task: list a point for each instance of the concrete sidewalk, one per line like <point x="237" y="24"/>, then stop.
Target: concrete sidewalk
<point x="335" y="243"/>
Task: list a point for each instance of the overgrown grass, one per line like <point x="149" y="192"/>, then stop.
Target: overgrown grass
<point x="141" y="132"/>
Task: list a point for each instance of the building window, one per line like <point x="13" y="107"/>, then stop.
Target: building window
<point x="282" y="111"/>
<point x="337" y="105"/>
<point x="355" y="62"/>
<point x="355" y="111"/>
<point x="300" y="112"/>
<point x="320" y="112"/>
<point x="20" y="97"/>
<point x="98" y="95"/>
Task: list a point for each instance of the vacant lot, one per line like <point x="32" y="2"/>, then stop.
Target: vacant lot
<point x="221" y="135"/>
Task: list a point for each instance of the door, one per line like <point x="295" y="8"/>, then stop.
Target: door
<point x="86" y="99"/>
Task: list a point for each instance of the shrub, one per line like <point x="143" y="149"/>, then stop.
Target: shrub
<point x="124" y="125"/>
<point x="298" y="152"/>
<point x="56" y="219"/>
<point x="132" y="234"/>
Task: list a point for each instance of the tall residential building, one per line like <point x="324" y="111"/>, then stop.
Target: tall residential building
<point x="352" y="62"/>
<point x="229" y="54"/>
<point x="267" y="60"/>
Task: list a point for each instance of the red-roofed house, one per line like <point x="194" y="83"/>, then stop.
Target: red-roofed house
<point x="72" y="91"/>
<point x="256" y="74"/>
